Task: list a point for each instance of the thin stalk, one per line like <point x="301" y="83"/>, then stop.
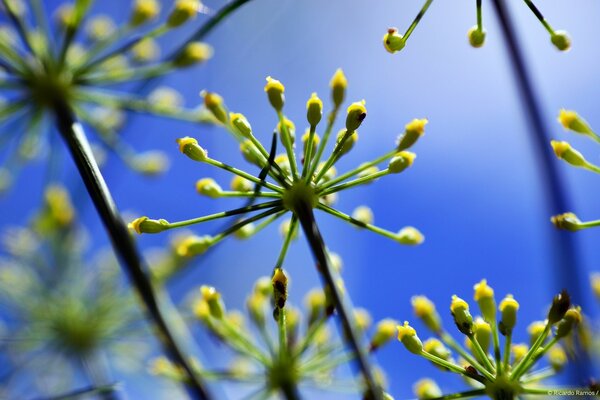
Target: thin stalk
<point x="461" y="395"/>
<point x="83" y="392"/>
<point x="417" y="19"/>
<point x="567" y="268"/>
<point x="74" y="136"/>
<point x="507" y="343"/>
<point x="342" y="303"/>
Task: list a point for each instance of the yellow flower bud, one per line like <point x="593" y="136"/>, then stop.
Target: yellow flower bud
<point x="145" y="50"/>
<point x="193" y="245"/>
<point x="245" y="231"/>
<point x="384" y="332"/>
<point x="401" y="161"/>
<point x="508" y="308"/>
<point x="146" y="225"/>
<point x="571" y="319"/>
<point x="519" y="350"/>
<point x="535" y="329"/>
<point x="255" y="304"/>
<point x="100" y="27"/>
<point x="567" y="221"/>
<point x="483" y="333"/>
<point x="208" y="187"/>
<point x="338" y="86"/>
<point x="213" y="299"/>
<point x="484" y="296"/>
<point x="284" y="229"/>
<point x="240" y="184"/>
<point x="564" y="151"/>
<point x="144" y="11"/>
<point x="427" y="389"/>
<point x="59" y="206"/>
<point x="476" y="37"/>
<point x="214" y="103"/>
<point x="290" y="128"/>
<point x="595" y="282"/>
<point x="557" y="358"/>
<point x="284" y="163"/>
<point x="571" y="121"/>
<point x="274" y="90"/>
<point x="560" y="304"/>
<point x="561" y="40"/>
<point x="263" y="286"/>
<point x="182" y="11"/>
<point x="393" y="41"/>
<point x="151" y="162"/>
<point x="408" y="336"/>
<point x="355" y="114"/>
<point x="410" y="235"/>
<point x="462" y="317"/>
<point x="425" y="310"/>
<point x="369" y="171"/>
<point x="437" y="348"/>
<point x="194" y="53"/>
<point x="280" y="282"/>
<point x="363" y="214"/>
<point x="65" y="16"/>
<point x="201" y="310"/>
<point x="349" y="141"/>
<point x="250" y="152"/>
<point x="314" y="110"/>
<point x="362" y="318"/>
<point x="241" y="125"/>
<point x="412" y="132"/>
<point x="315" y="304"/>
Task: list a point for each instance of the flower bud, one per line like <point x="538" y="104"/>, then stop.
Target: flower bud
<point x="284" y="229"/>
<point x="315" y="304"/>
<point x="208" y="187"/>
<point x="250" y="153"/>
<point x="58" y="205"/>
<point x="349" y="141"/>
<point x="557" y="358"/>
<point x="315" y="142"/>
<point x="274" y="90"/>
<point x="476" y="37"/>
<point x="567" y="221"/>
<point x="561" y="40"/>
<point x="425" y="310"/>
<point x="213" y="299"/>
<point x="193" y="245"/>
<point x="284" y="163"/>
<point x="146" y="50"/>
<point x="290" y="130"/>
<point x="241" y="184"/>
<point x="193" y="53"/>
<point x="595" y="282"/>
<point x="245" y="231"/>
<point x="408" y="336"/>
<point x="355" y="114"/>
<point x="201" y="311"/>
<point x="183" y="11"/>
<point x="214" y="103"/>
<point x="427" y="389"/>
<point x="338" y="86"/>
<point x="410" y="236"/>
<point x="401" y="161"/>
<point x="256" y="308"/>
<point x="146" y="225"/>
<point x="564" y="151"/>
<point x="412" y="132"/>
<point x="571" y="319"/>
<point x="241" y="125"/>
<point x="437" y="348"/>
<point x="99" y="28"/>
<point x="363" y="214"/>
<point x="560" y="305"/>
<point x="263" y="286"/>
<point x="462" y="317"/>
<point x="484" y="296"/>
<point x="519" y="350"/>
<point x="384" y="332"/>
<point x="151" y="163"/>
<point x="571" y="121"/>
<point x="66" y="17"/>
<point x="393" y="41"/>
<point x="369" y="171"/>
<point x="362" y="318"/>
<point x="190" y="147"/>
<point x="535" y="329"/>
<point x="314" y="110"/>
<point x="280" y="282"/>
<point x="483" y="333"/>
<point x="508" y="308"/>
<point x="144" y="11"/>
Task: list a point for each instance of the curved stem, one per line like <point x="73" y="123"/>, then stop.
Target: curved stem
<point x="74" y="136"/>
<point x="342" y="304"/>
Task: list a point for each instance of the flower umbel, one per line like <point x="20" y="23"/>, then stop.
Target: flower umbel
<point x="492" y="372"/>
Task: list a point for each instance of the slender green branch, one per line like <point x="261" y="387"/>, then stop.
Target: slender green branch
<point x="360" y="224"/>
<point x="417" y="19"/>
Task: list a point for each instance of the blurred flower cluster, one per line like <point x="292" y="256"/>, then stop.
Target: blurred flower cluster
<point x="393" y="41"/>
<point x="67" y="316"/>
<point x="482" y="364"/>
<point x="87" y="63"/>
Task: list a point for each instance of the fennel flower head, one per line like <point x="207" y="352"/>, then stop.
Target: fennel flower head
<point x="66" y="313"/>
<point x="88" y="63"/>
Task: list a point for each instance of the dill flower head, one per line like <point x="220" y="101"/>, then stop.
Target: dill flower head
<point x="63" y="308"/>
<point x="499" y="372"/>
<point x="84" y="62"/>
<point x="393" y="41"/>
<point x="291" y="181"/>
<point x="295" y="351"/>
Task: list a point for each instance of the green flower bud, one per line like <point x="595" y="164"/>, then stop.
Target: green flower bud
<point x="393" y="41"/>
<point x="425" y="310"/>
<point x="484" y="296"/>
<point x="263" y="286"/>
<point x="208" y="187"/>
<point x="290" y="130"/>
<point x="165" y="98"/>
<point x="561" y="40"/>
<point x="144" y="11"/>
<point x="240" y="184"/>
<point x="245" y="231"/>
<point x="193" y="53"/>
<point x="99" y="28"/>
<point x="437" y="348"/>
<point x="315" y="304"/>
<point x="560" y="305"/>
<point x="314" y="110"/>
<point x="557" y="358"/>
<point x="214" y="103"/>
<point x="384" y="332"/>
<point x="146" y="225"/>
<point x="462" y="317"/>
<point x="349" y="141"/>
<point x="518" y="350"/>
<point x="369" y="171"/>
<point x="193" y="245"/>
<point x="564" y="151"/>
<point x="190" y="147"/>
<point x="363" y="214"/>
<point x="412" y="132"/>
<point x="274" y="90"/>
<point x="476" y="37"/>
<point x="567" y="221"/>
<point x="284" y="229"/>
<point x="338" y="86"/>
<point x="146" y="50"/>
<point x="355" y="114"/>
<point x="151" y="163"/>
<point x="571" y="121"/>
<point x="410" y="236"/>
<point x="571" y="319"/>
<point x="213" y="299"/>
<point x="427" y="389"/>
<point x="362" y="318"/>
<point x="183" y="11"/>
<point x="250" y="152"/>
<point x="535" y="329"/>
<point x="483" y="333"/>
<point x="256" y="308"/>
<point x="408" y="336"/>
<point x="241" y="125"/>
<point x="401" y="161"/>
<point x="508" y="308"/>
<point x="315" y="141"/>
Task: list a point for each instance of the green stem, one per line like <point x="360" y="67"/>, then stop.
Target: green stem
<point x="507" y="344"/>
<point x="479" y="18"/>
<point x="449" y="340"/>
<point x="520" y="369"/>
<point x="243" y="174"/>
<point x="461" y="395"/>
<point x="308" y="151"/>
<point x="539" y="16"/>
<point x="415" y="22"/>
<point x="360" y="224"/>
<point x="450" y="366"/>
<point x="481" y="353"/>
<point x="286" y="243"/>
<point x="244" y="222"/>
<point x="358" y="170"/>
<point x="330" y="121"/>
<point x="334" y="156"/>
<point x="287" y="143"/>
<point x="535" y="376"/>
<point x="355" y="182"/>
<point x="496" y="339"/>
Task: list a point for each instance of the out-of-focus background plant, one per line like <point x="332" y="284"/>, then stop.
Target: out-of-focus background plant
<point x="477" y="195"/>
